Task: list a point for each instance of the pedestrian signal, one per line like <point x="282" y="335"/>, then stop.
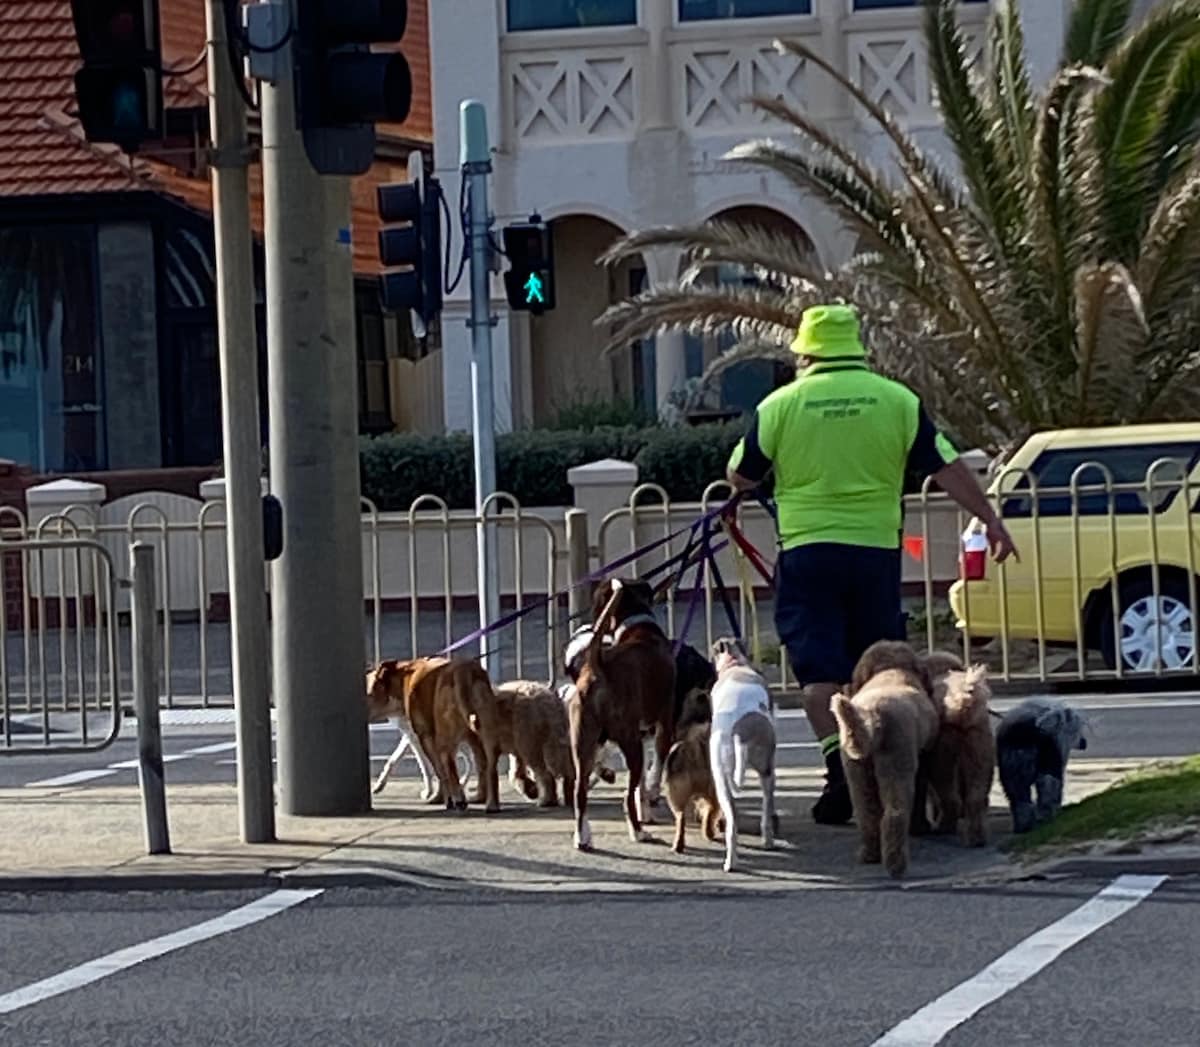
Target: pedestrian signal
<point x="529" y="284"/>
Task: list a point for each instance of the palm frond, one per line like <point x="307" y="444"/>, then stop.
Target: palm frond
<point x="1095" y="29"/>
<point x="1111" y="330"/>
<point x="749" y="312"/>
<point x="1169" y="261"/>
<point x="1130" y="114"/>
<point x="1180" y="126"/>
<point x="783" y="254"/>
<point x="1011" y="96"/>
<point x="993" y="180"/>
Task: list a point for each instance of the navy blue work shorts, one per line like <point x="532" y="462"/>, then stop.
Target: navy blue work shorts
<point x="831" y="603"/>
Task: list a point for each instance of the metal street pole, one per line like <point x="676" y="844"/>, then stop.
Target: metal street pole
<point x="317" y="591"/>
<point x="145" y="699"/>
<point x="230" y="160"/>
<point x="476" y="159"/>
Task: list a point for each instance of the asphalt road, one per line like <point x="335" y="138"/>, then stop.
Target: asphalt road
<point x="199" y="752"/>
<point x="840" y="968"/>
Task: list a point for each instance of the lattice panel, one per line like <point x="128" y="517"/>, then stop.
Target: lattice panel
<point x="891" y="70"/>
<point x="575" y="94"/>
<point x="718" y="81"/>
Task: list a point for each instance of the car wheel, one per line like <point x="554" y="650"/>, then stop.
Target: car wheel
<point x="1151" y="633"/>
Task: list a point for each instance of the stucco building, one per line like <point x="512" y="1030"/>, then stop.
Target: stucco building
<point x="608" y="116"/>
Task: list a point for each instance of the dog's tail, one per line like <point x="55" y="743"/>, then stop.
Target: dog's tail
<point x="857" y="741"/>
<point x="477" y="695"/>
<point x="601" y="628"/>
<point x="966" y="696"/>
<point x="721" y="748"/>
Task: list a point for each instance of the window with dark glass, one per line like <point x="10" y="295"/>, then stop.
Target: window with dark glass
<point x="1128" y="465"/>
<point x="570" y="14"/>
<point x="872" y="5"/>
<point x="51" y="380"/>
<point x="374" y="401"/>
<point x="700" y="10"/>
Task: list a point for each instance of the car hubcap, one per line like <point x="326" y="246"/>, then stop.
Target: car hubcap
<point x="1157" y="634"/>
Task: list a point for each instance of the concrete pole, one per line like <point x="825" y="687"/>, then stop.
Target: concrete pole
<point x="230" y="161"/>
<point x="317" y="590"/>
<point x="145" y="700"/>
<point x="476" y="159"/>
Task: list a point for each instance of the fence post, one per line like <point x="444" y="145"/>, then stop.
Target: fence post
<point x="579" y="599"/>
<point x="145" y="699"/>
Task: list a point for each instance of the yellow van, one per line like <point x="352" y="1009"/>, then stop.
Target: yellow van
<point x="1087" y="508"/>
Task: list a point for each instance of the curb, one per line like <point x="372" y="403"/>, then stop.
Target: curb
<point x="1117" y="865"/>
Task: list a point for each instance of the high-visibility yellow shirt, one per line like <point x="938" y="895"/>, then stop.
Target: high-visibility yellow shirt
<point x="841" y="440"/>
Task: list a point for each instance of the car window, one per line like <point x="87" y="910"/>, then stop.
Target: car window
<point x="1128" y="465"/>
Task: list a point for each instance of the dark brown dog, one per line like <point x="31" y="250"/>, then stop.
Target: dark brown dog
<point x="624" y="688"/>
<point x="447" y="703"/>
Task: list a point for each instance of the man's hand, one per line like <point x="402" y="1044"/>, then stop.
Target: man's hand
<point x="1000" y="541"/>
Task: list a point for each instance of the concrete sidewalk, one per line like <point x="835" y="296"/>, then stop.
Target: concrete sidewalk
<point x="92" y="836"/>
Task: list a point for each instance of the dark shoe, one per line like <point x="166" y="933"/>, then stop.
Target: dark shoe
<point x="833" y="806"/>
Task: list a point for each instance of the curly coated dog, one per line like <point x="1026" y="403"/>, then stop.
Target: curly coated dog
<point x="962" y="763"/>
<point x="1033" y="744"/>
<point x="532" y="728"/>
<point x="885" y="726"/>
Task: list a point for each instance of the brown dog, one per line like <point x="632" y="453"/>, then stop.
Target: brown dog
<point x="447" y="703"/>
<point x="623" y="688"/>
<point x="690" y="780"/>
<point x="963" y="760"/>
<point x="532" y="724"/>
<point x="885" y="727"/>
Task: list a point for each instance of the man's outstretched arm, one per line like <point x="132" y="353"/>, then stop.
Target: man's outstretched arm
<point x="932" y="455"/>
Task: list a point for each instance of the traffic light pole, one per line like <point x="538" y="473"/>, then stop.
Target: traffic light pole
<point x="476" y="159"/>
<point x="240" y="425"/>
<point x="317" y="594"/>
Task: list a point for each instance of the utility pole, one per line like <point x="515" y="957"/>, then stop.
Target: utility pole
<point x="318" y="644"/>
<point x="230" y="160"/>
<point x="476" y="160"/>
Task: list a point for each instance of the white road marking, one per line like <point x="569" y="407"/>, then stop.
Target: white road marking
<point x="933" y="1022"/>
<point x="797" y="745"/>
<point x="132" y="765"/>
<point x="74" y="778"/>
<point x="123" y="959"/>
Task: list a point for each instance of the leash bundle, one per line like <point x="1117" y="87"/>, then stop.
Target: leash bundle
<point x="699" y="534"/>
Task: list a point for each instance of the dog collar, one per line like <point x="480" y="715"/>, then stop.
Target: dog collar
<point x="629" y="623"/>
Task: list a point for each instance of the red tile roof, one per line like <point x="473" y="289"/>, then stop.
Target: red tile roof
<point x="43" y="152"/>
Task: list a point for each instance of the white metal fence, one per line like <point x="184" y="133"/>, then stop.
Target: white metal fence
<point x="1105" y="567"/>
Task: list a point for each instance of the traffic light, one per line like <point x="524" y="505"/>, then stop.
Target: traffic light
<point x="342" y="87"/>
<point x="119" y="85"/>
<point x="529" y="284"/>
<point x="410" y="247"/>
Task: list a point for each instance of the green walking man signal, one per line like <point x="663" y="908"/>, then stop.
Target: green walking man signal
<point x="533" y="290"/>
<point x="529" y="284"/>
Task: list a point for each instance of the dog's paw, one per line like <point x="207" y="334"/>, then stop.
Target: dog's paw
<point x="460" y="805"/>
<point x="377" y="788"/>
<point x="641" y="836"/>
<point x="768" y="843"/>
<point x="583" y="837"/>
<point x="607" y="775"/>
<point x="729" y="865"/>
<point x="869" y="855"/>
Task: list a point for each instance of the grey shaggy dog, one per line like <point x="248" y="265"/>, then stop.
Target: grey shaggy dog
<point x="1033" y="744"/>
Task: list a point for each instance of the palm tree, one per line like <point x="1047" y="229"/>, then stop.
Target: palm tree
<point x="1052" y="277"/>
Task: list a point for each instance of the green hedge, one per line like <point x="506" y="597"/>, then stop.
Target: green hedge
<point x="532" y="465"/>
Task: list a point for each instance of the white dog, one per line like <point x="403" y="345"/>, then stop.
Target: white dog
<point x="743" y="733"/>
<point x="409" y="743"/>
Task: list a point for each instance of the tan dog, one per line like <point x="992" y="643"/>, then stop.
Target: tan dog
<point x="690" y="781"/>
<point x="623" y="688"/>
<point x="447" y="703"/>
<point x="532" y="725"/>
<point x="885" y="727"/>
<point x="963" y="759"/>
